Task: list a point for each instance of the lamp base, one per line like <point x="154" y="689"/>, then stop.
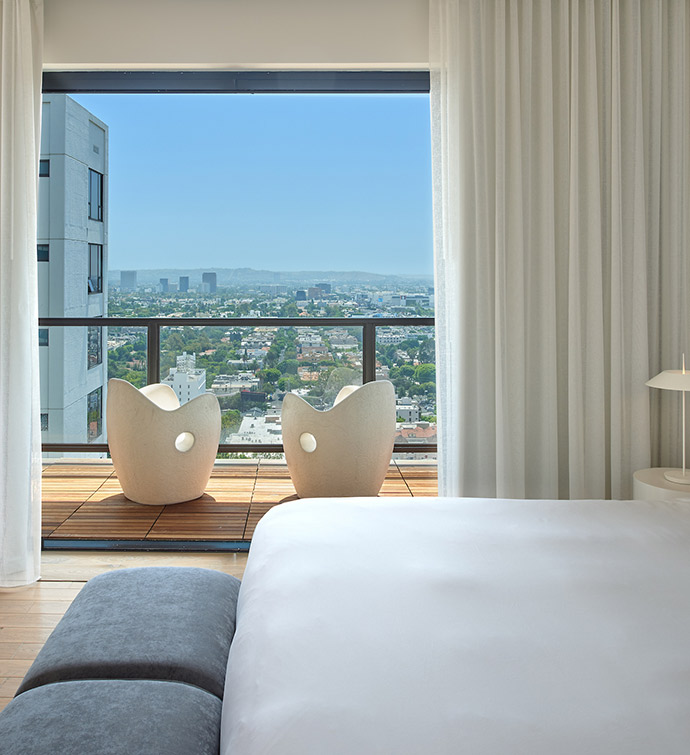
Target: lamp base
<point x="676" y="475"/>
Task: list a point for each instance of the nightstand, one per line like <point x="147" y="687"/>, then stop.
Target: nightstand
<point x="651" y="485"/>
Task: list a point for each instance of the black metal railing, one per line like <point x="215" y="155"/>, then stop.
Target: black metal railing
<point x="153" y="327"/>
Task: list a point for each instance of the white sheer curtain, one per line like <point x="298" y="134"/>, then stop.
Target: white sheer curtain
<point x="561" y="148"/>
<point x="21" y="39"/>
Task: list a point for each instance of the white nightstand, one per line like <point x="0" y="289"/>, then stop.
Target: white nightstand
<point x="651" y="485"/>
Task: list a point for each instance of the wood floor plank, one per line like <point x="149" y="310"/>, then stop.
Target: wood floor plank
<point x="9" y="685"/>
<point x="29" y="620"/>
<point x="15" y="668"/>
<point x="22" y="651"/>
<point x="24" y="634"/>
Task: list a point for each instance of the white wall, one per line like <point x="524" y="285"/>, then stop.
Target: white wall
<point x="236" y="34"/>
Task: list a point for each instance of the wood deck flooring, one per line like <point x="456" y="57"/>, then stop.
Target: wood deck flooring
<point x="84" y="501"/>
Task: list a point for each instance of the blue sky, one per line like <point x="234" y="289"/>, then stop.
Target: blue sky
<point x="276" y="182"/>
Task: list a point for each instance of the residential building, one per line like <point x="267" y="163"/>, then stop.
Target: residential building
<point x="72" y="251"/>
<point x="258" y="429"/>
<point x="407" y="410"/>
<point x="185" y="379"/>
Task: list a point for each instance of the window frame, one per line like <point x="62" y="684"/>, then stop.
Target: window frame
<point x="95" y="282"/>
<point x="43" y="252"/>
<point x="44" y="168"/>
<point x="239" y="82"/>
<point x="98" y="199"/>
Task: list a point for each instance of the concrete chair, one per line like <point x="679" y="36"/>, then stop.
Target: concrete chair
<point x="162" y="452"/>
<point x="344" y="451"/>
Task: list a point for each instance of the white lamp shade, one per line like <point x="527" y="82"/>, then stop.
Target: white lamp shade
<point x="671" y="380"/>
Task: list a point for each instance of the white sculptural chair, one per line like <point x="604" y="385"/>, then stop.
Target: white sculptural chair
<point x="344" y="451"/>
<point x="162" y="452"/>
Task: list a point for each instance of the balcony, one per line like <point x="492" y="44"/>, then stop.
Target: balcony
<point x="83" y="504"/>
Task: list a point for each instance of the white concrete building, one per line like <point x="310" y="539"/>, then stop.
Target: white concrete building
<point x="407" y="410"/>
<point x="257" y="429"/>
<point x="186" y="380"/>
<point x="72" y="250"/>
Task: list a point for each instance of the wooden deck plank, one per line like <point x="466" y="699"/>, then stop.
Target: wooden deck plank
<point x="85" y="501"/>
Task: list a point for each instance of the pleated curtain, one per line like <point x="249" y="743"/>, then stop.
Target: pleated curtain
<point x="21" y="32"/>
<point x="561" y="163"/>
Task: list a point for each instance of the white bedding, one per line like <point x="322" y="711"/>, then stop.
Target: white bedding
<point x="434" y="626"/>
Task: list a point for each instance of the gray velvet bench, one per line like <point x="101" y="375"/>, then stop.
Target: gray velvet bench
<point x="136" y="665"/>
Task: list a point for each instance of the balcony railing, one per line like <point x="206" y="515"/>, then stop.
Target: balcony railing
<point x="153" y="327"/>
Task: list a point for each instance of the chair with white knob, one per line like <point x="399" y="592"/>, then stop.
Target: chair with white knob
<point x="344" y="451"/>
<point x="162" y="452"/>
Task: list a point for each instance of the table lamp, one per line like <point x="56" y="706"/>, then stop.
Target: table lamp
<point x="675" y="380"/>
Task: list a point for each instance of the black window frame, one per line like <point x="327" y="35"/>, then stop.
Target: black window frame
<point x="95" y="195"/>
<point x="95" y="278"/>
<point x="239" y="82"/>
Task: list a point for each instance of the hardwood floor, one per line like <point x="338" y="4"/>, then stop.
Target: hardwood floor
<point x="83" y="500"/>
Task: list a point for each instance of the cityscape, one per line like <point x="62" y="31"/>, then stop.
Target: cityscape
<point x="249" y="368"/>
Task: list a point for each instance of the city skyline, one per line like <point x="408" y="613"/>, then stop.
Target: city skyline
<point x="283" y="182"/>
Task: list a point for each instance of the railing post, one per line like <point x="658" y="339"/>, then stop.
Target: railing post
<point x="368" y="352"/>
<point x="153" y="352"/>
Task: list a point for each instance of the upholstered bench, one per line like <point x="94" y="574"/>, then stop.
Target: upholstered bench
<point x="136" y="665"/>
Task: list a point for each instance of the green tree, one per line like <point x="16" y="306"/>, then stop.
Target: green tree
<point x="288" y="367"/>
<point x="425" y="373"/>
<point x="270" y="375"/>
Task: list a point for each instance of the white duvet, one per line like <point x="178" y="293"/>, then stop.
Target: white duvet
<point x="434" y="626"/>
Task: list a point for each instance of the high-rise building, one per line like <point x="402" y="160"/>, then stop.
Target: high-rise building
<point x="128" y="280"/>
<point x="300" y="295"/>
<point x="163" y="285"/>
<point x="325" y="287"/>
<point x="72" y="252"/>
<point x="314" y="292"/>
<point x="211" y="279"/>
<point x="184" y="283"/>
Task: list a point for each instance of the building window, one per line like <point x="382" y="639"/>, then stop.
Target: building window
<point x="44" y="168"/>
<point x="95" y="269"/>
<point x="94" y="346"/>
<point x="43" y="252"/>
<point x="94" y="414"/>
<point x="95" y="195"/>
<point x="44" y="421"/>
<point x="43" y="337"/>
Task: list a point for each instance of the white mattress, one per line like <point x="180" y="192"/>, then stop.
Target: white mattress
<point x="433" y="626"/>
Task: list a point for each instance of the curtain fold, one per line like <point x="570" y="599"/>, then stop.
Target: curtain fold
<point x="560" y="134"/>
<point x="21" y="40"/>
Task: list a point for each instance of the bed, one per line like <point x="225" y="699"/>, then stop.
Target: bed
<point x="434" y="626"/>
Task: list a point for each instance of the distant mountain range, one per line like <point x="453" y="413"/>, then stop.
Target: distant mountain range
<point x="245" y="276"/>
